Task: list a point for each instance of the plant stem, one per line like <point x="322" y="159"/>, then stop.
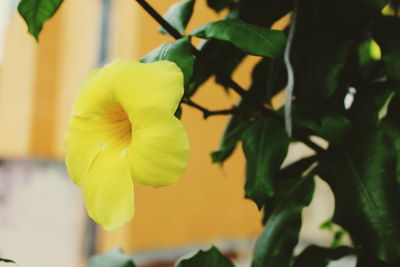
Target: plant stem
<point x="155" y="15"/>
<point x="226" y="80"/>
<point x="206" y="112"/>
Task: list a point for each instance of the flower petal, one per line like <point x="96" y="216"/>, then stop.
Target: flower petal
<point x="108" y="190"/>
<point x="137" y="85"/>
<point x="95" y="95"/>
<point x="86" y="137"/>
<point x="134" y="85"/>
<point x="80" y="143"/>
<point x="159" y="150"/>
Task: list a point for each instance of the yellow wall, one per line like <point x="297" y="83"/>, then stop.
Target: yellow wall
<point x="39" y="82"/>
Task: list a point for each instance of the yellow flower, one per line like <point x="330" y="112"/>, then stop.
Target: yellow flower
<point x="123" y="129"/>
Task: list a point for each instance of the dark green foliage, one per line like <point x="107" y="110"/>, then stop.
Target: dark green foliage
<point x="386" y="32"/>
<point x="366" y="260"/>
<point x="276" y="243"/>
<point x="319" y="51"/>
<point x="286" y="180"/>
<point x="225" y="56"/>
<point x="263" y="13"/>
<point x="265" y="145"/>
<point x="326" y="34"/>
<point x="315" y="256"/>
<point x="331" y="126"/>
<point x="250" y="38"/>
<point x="113" y="258"/>
<point x="178" y="15"/>
<point x="179" y="52"/>
<point x="219" y="5"/>
<point x="395" y="4"/>
<point x="268" y="78"/>
<point x="368" y="104"/>
<point x="362" y="175"/>
<point x="209" y="258"/>
<point x="266" y="82"/>
<point x="37" y="12"/>
<point x="232" y="135"/>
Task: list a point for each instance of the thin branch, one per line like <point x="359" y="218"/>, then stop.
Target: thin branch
<point x="206" y="112"/>
<point x="155" y="15"/>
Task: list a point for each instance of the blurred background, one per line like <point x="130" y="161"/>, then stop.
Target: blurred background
<point x="43" y="222"/>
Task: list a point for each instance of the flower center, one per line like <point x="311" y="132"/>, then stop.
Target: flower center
<point x="119" y="128"/>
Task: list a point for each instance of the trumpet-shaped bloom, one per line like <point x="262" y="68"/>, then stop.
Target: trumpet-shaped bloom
<point x="123" y="130"/>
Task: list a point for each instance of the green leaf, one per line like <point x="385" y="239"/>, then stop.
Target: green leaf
<point x="113" y="258"/>
<point x="386" y="32"/>
<point x="252" y="39"/>
<point x="219" y="5"/>
<point x="287" y="179"/>
<point x="265" y="145"/>
<point x="281" y="233"/>
<point x="362" y="176"/>
<point x="315" y="256"/>
<point x="179" y="52"/>
<point x="178" y="15"/>
<point x="333" y="127"/>
<point x="230" y="138"/>
<point x="370" y="104"/>
<point x="37" y="12"/>
<point x="209" y="258"/>
<point x="223" y="55"/>
<point x="268" y="78"/>
<point x="7" y="260"/>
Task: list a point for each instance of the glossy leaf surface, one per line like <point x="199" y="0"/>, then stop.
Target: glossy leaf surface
<point x="252" y="39"/>
<point x="265" y="145"/>
<point x="275" y="245"/>
<point x="362" y="175"/>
